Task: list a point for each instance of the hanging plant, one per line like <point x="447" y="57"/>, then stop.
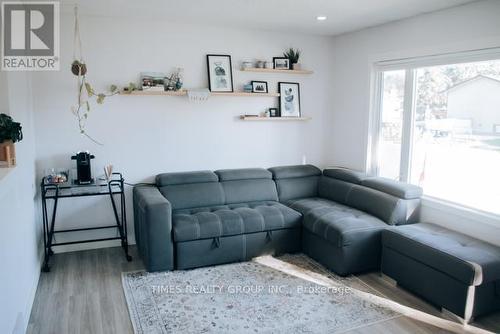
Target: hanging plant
<point x="85" y="94"/>
<point x="78" y="68"/>
<point x="85" y="90"/>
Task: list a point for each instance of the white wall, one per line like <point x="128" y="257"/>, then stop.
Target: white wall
<point x="4" y="96"/>
<point x="20" y="247"/>
<point x="146" y="135"/>
<point x="467" y="27"/>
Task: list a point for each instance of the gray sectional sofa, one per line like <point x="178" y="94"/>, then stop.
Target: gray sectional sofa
<point x="339" y="217"/>
<point x="195" y="219"/>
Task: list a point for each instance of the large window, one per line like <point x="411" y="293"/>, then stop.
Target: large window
<point x="439" y="127"/>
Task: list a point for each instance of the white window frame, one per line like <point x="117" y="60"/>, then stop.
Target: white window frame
<point x="408" y="118"/>
<point x="410" y="65"/>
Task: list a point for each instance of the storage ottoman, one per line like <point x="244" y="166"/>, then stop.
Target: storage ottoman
<point x="449" y="269"/>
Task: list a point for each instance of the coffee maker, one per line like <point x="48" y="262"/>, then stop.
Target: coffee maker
<point x="83" y="169"/>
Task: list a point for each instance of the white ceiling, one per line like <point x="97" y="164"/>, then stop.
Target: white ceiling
<point x="282" y="15"/>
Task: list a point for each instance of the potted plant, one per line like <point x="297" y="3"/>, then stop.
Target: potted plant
<point x="84" y="94"/>
<point x="293" y="55"/>
<point x="78" y="68"/>
<point x="10" y="132"/>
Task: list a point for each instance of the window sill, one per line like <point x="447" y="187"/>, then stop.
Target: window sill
<point x="462" y="211"/>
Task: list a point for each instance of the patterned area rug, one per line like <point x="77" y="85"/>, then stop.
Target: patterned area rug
<point x="247" y="297"/>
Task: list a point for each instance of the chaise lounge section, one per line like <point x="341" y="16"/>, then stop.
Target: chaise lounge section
<point x="344" y="213"/>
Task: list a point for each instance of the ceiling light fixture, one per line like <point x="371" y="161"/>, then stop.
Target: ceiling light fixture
<point x="321" y="18"/>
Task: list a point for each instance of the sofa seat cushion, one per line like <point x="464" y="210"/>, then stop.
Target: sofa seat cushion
<point x="462" y="257"/>
<point x="232" y="219"/>
<point x="336" y="223"/>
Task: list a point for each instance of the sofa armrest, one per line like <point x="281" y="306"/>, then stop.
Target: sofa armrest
<point x="153" y="228"/>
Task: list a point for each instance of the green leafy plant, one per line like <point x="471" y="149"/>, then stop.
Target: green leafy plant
<point x="293" y="55"/>
<point x="130" y="88"/>
<point x="10" y="130"/>
<point x="85" y="94"/>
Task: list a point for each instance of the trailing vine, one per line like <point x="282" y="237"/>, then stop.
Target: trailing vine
<point x="85" y="90"/>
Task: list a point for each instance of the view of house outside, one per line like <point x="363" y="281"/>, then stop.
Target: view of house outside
<point x="456" y="136"/>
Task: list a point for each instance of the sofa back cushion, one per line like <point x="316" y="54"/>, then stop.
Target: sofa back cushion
<point x="334" y="189"/>
<point x="394" y="202"/>
<point x="373" y="202"/>
<point x="345" y="174"/>
<point x="191" y="189"/>
<point x="337" y="183"/>
<point x="247" y="185"/>
<point x="293" y="182"/>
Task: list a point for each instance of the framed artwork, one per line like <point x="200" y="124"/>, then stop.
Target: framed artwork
<point x="289" y="99"/>
<point x="153" y="81"/>
<point x="273" y="112"/>
<point x="259" y="87"/>
<point x="220" y="73"/>
<point x="281" y="63"/>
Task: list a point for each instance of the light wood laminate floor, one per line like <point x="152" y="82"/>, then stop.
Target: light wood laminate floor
<point x="83" y="294"/>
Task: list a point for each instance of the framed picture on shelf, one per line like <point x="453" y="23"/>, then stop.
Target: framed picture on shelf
<point x="273" y="112"/>
<point x="153" y="81"/>
<point x="220" y="73"/>
<point x="259" y="87"/>
<point x="289" y="99"/>
<point x="281" y="63"/>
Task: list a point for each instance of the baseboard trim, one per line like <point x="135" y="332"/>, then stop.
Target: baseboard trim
<point x="33" y="288"/>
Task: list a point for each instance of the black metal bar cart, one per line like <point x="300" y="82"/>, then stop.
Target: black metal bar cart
<point x="113" y="187"/>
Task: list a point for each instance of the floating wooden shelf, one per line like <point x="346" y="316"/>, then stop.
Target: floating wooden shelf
<point x="253" y="118"/>
<point x="155" y="92"/>
<point x="184" y="92"/>
<point x="246" y="94"/>
<point x="272" y="70"/>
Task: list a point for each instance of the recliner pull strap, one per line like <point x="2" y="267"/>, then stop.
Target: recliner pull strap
<point x="216" y="242"/>
<point x="269" y="235"/>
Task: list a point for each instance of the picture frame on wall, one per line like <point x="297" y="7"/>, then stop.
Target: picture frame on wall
<point x="220" y="73"/>
<point x="259" y="87"/>
<point x="281" y="63"/>
<point x="289" y="99"/>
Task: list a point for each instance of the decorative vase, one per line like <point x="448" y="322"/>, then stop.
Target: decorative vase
<point x="7" y="154"/>
<point x="297" y="66"/>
